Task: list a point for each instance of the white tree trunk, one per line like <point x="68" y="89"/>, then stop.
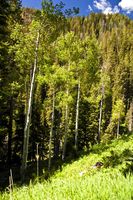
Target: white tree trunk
<point x="66" y="129"/>
<point x="28" y="115"/>
<point x="77" y="117"/>
<point x="100" y="115"/>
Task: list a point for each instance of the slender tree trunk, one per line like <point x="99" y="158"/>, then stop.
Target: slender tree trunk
<point x="66" y="129"/>
<point x="37" y="160"/>
<point x="28" y="116"/>
<point x="66" y="123"/>
<point x="100" y="116"/>
<point x="57" y="136"/>
<point x="77" y="118"/>
<point x="10" y="130"/>
<point x="56" y="144"/>
<point x="51" y="132"/>
<point x="58" y="140"/>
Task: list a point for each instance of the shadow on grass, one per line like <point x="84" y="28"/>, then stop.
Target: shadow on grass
<point x="115" y="159"/>
<point x="31" y="174"/>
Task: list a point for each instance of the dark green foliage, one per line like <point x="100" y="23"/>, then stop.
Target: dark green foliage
<point x="9" y="11"/>
<point x="116" y="159"/>
<point x="15" y="10"/>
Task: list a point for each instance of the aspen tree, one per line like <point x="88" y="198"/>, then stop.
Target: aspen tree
<point x="28" y="115"/>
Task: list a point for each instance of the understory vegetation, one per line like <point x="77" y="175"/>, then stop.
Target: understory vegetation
<point x="80" y="179"/>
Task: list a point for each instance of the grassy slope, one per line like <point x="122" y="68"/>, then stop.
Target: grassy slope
<point x="112" y="182"/>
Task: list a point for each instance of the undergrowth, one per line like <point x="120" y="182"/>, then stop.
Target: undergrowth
<point x="82" y="181"/>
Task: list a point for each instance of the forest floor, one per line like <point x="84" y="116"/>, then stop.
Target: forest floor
<point x="106" y="173"/>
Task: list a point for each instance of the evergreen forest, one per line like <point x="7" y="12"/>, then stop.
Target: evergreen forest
<point x="66" y="85"/>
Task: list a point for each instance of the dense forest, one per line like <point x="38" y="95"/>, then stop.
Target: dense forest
<point x="66" y="82"/>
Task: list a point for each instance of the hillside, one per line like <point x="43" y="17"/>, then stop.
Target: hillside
<point x="82" y="180"/>
<point x="66" y="84"/>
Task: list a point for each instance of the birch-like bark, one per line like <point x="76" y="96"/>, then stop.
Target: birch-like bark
<point x="66" y="129"/>
<point x="100" y="116"/>
<point x="51" y="132"/>
<point x="77" y="117"/>
<point x="28" y="115"/>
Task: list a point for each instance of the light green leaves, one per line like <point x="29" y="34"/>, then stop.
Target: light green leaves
<point x="118" y="109"/>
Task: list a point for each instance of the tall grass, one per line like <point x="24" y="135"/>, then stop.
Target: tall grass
<point x="113" y="181"/>
<point x="101" y="186"/>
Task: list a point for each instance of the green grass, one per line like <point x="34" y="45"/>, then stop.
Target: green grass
<point x="114" y="181"/>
